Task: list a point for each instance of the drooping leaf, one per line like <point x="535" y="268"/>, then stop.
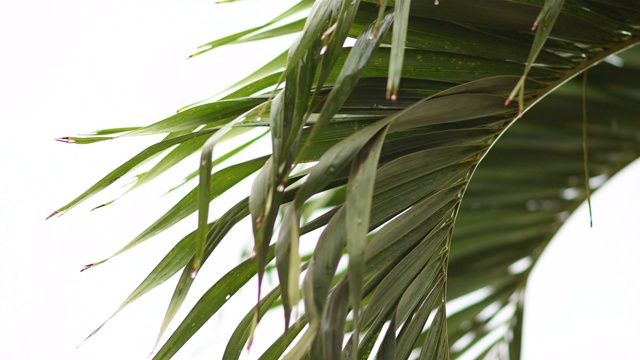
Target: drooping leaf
<point x="461" y="60"/>
<point x="128" y="166"/>
<point x="188" y="205"/>
<point x="543" y="26"/>
<point x="399" y="38"/>
<point x="357" y="213"/>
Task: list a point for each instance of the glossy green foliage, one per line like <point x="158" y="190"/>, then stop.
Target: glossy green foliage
<point x="404" y="150"/>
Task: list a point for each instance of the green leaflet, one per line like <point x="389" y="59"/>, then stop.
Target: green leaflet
<point x="336" y="314"/>
<point x="350" y="73"/>
<point x="210" y="302"/>
<point x="204" y="191"/>
<point x="413" y="328"/>
<point x="334" y="39"/>
<point x="226" y="178"/>
<point x="249" y="34"/>
<point x="214" y="114"/>
<point x="324" y="173"/>
<point x="399" y="38"/>
<point x="216" y="161"/>
<point x="244" y="330"/>
<point x="131" y="164"/>
<point x="435" y="345"/>
<point x="462" y="59"/>
<point x="176" y="259"/>
<point x="543" y="25"/>
<point x="387" y="349"/>
<point x="268" y="75"/>
<point x="357" y="213"/>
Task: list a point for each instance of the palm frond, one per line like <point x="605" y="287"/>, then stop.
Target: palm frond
<point x="429" y="188"/>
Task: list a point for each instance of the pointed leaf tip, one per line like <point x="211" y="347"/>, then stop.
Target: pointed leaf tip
<point x="92" y="333"/>
<point x="66" y="140"/>
<point x="101" y="206"/>
<point x="87" y="267"/>
<point x="52" y="215"/>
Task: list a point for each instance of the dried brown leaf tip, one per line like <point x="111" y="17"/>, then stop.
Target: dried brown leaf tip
<point x="53" y="214"/>
<point x="66" y="139"/>
<point x="88" y="266"/>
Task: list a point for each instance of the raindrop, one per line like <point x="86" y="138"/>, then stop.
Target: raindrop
<point x="227" y="297"/>
<point x="436" y="2"/>
<point x="280" y="188"/>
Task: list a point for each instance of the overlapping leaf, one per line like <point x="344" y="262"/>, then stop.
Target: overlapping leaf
<point x="416" y="205"/>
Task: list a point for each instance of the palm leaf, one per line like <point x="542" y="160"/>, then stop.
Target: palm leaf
<point x="431" y="195"/>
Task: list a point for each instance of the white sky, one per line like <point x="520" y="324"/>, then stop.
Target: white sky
<point x="75" y="66"/>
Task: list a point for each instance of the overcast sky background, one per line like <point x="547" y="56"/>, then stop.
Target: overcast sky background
<point x="71" y="67"/>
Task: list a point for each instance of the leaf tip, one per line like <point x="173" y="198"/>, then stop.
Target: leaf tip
<point x="254" y="325"/>
<point x="90" y="335"/>
<point x="150" y="355"/>
<point x="87" y="267"/>
<point x="66" y="140"/>
<point x="105" y="204"/>
<point x="53" y="214"/>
